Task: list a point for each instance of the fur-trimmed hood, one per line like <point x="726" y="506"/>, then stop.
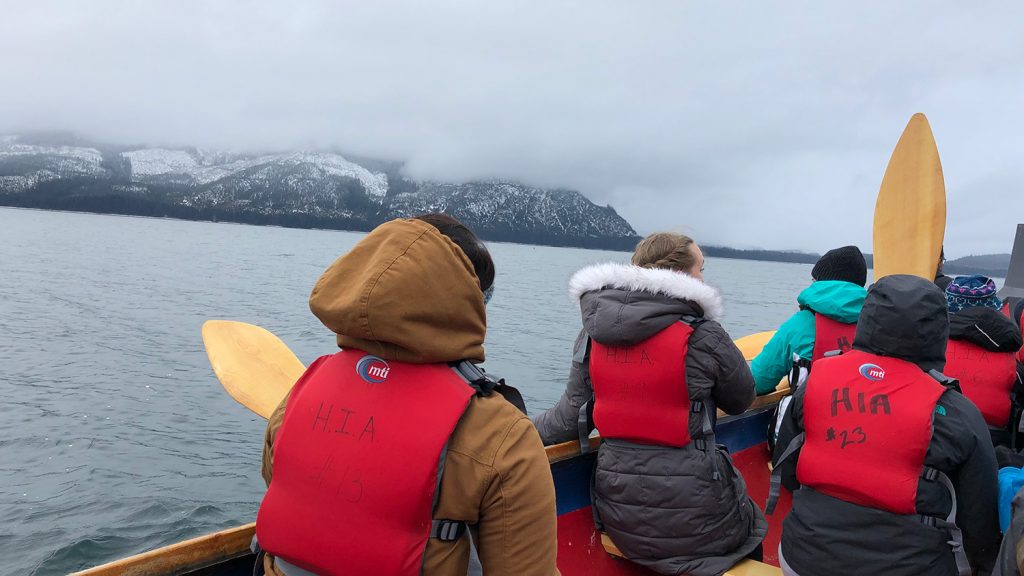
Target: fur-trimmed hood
<point x="655" y="281"/>
<point x="622" y="305"/>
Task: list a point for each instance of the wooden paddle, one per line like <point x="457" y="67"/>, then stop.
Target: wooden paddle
<point x="910" y="213"/>
<point x="255" y="367"/>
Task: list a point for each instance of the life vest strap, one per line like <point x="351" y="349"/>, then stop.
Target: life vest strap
<point x="948" y="382"/>
<point x="956" y="540"/>
<point x="583" y="425"/>
<point x="693" y="321"/>
<point x="288" y="569"/>
<point x="586" y="411"/>
<point x="581" y="353"/>
<point x="707" y="429"/>
<point x="775" y="484"/>
<point x="447" y="530"/>
<point x="484" y="384"/>
<point x="477" y="379"/>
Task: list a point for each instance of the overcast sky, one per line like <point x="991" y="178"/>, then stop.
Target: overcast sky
<point x="761" y="123"/>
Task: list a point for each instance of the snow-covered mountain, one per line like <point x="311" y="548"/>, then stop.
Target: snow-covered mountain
<point x="303" y="189"/>
<point x="509" y="211"/>
<point x="23" y="166"/>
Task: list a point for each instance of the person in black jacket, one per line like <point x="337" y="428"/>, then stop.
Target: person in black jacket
<point x="903" y="322"/>
<point x="981" y="354"/>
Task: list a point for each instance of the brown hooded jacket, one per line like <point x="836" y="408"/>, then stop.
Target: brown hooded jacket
<point x="409" y="294"/>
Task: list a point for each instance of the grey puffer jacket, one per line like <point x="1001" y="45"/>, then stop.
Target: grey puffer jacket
<point x="664" y="507"/>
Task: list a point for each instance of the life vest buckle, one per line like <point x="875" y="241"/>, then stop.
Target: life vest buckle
<point x="447" y="530"/>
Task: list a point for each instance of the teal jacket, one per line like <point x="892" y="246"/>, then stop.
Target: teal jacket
<point x="838" y="300"/>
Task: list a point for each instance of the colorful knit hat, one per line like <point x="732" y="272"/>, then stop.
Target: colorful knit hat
<point x="970" y="291"/>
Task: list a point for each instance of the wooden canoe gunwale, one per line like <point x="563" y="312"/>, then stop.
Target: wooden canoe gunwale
<point x="194" y="554"/>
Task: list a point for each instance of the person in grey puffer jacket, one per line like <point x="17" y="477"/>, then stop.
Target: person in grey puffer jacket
<point x="674" y="510"/>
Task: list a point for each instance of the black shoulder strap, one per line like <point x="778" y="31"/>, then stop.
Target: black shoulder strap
<point x="956" y="541"/>
<point x="950" y="383"/>
<point x="1016" y="424"/>
<point x="485" y="383"/>
<point x="585" y="414"/>
<point x="775" y="482"/>
<point x="443" y="529"/>
<point x="693" y="321"/>
<point x="582" y="352"/>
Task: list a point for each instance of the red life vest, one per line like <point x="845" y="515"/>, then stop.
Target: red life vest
<point x="356" y="464"/>
<point x="831" y="335"/>
<point x="1020" y="324"/>
<point x="986" y="378"/>
<point x="640" y="392"/>
<point x="867" y="421"/>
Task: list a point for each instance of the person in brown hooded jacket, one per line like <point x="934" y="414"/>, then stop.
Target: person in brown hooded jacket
<point x="413" y="292"/>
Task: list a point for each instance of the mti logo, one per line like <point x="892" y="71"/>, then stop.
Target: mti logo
<point x="872" y="372"/>
<point x="372" y="369"/>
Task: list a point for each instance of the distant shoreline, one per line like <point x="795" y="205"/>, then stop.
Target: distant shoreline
<point x="626" y="244"/>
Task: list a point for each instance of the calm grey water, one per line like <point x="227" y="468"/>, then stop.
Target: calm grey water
<point x="115" y="437"/>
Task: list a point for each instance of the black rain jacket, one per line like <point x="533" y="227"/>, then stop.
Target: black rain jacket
<point x="903" y="317"/>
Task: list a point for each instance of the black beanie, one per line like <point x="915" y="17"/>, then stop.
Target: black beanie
<point x="846" y="264"/>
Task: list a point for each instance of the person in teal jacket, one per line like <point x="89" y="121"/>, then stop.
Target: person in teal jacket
<point x="837" y="292"/>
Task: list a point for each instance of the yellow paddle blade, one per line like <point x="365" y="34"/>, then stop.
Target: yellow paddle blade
<point x="910" y="213"/>
<point x="255" y="367"/>
<point x="752" y="344"/>
<point x="753" y="568"/>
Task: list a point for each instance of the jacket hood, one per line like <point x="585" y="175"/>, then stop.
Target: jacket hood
<point x="654" y="281"/>
<point x="839" y="300"/>
<point x="623" y="304"/>
<point x="985" y="327"/>
<point x="405" y="292"/>
<point x="905" y="317"/>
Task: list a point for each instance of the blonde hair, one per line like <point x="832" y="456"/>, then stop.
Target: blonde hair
<point x="665" y="250"/>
